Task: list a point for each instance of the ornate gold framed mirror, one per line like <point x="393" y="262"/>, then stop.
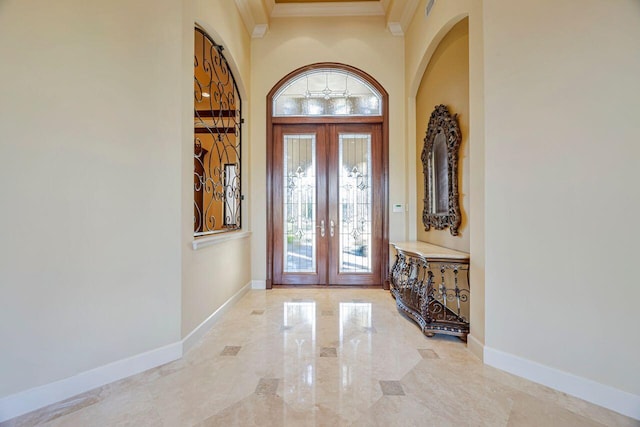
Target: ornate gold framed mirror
<point x="440" y="168"/>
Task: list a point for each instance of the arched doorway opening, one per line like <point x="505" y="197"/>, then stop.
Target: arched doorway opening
<point x="327" y="178"/>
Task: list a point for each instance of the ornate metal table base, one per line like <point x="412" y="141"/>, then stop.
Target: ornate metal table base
<point x="436" y="305"/>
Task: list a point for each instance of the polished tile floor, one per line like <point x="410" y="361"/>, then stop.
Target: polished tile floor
<point x="308" y="357"/>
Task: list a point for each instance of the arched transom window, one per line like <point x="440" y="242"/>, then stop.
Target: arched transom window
<point x="327" y="92"/>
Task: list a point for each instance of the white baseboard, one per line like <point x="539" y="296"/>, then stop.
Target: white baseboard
<point x="602" y="395"/>
<point x="258" y="284"/>
<point x="30" y="400"/>
<point x="475" y="347"/>
<point x="38" y="397"/>
<point x="194" y="336"/>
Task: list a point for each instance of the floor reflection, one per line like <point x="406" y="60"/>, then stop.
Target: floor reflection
<point x="300" y="316"/>
<point x="299" y="341"/>
<point x="356" y="349"/>
<point x="355" y="317"/>
<point x="310" y="341"/>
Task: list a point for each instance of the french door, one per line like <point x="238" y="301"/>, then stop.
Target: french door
<point x="327" y="204"/>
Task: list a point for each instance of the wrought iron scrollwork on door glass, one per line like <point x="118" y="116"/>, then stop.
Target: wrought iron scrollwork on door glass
<point x="217" y="135"/>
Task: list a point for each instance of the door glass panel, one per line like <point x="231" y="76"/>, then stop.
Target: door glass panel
<point x="299" y="203"/>
<point x="354" y="208"/>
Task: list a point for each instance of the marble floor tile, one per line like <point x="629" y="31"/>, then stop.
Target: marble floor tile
<point x="58" y="410"/>
<point x="270" y="410"/>
<point x="230" y="350"/>
<point x="129" y="408"/>
<point x="328" y="352"/>
<point x="401" y="411"/>
<point x="428" y="353"/>
<point x="267" y="386"/>
<point x="391" y="388"/>
<point x="318" y="357"/>
<point x="529" y="411"/>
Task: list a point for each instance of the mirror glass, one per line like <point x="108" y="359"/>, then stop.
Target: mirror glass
<point x="440" y="170"/>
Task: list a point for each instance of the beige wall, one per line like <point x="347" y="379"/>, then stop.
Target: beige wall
<point x="361" y="42"/>
<point x="421" y="41"/>
<point x="89" y="253"/>
<point x="562" y="192"/>
<point x="212" y="275"/>
<point x="446" y="81"/>
<point x="97" y="276"/>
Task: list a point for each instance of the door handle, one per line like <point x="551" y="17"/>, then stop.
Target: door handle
<point x="331" y="226"/>
<point x="321" y="227"/>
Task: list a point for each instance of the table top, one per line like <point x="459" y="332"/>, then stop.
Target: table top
<point x="431" y="251"/>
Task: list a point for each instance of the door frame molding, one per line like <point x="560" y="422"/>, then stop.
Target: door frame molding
<point x="383" y="120"/>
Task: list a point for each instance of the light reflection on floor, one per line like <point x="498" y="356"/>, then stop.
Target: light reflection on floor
<point x="318" y="357"/>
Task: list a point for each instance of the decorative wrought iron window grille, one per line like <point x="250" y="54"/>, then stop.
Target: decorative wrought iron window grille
<point x="217" y="138"/>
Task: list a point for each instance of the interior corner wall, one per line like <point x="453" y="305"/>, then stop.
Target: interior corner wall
<point x="477" y="163"/>
<point x="89" y="177"/>
<point x="289" y="44"/>
<point x="562" y="194"/>
<point x="213" y="274"/>
<point x="446" y="81"/>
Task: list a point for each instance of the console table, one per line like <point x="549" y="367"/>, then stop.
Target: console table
<point x="431" y="285"/>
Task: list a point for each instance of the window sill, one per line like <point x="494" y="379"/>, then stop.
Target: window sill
<point x="219" y="238"/>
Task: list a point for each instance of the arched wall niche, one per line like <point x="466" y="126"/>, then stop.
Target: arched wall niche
<point x="430" y="50"/>
<point x="421" y="41"/>
<point x="446" y="81"/>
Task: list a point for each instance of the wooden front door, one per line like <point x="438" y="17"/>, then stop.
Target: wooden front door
<point x="328" y="193"/>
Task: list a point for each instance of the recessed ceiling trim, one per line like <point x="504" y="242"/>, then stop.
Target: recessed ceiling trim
<point x="354" y="8"/>
<point x="317" y="1"/>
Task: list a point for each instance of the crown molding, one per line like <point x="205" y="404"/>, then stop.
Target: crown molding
<point x="254" y="16"/>
<point x="259" y="31"/>
<point x="395" y="28"/>
<point x="245" y="14"/>
<point x="269" y="5"/>
<point x="399" y="16"/>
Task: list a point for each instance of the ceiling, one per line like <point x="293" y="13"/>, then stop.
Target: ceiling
<point x="257" y="14"/>
<point x="318" y="1"/>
